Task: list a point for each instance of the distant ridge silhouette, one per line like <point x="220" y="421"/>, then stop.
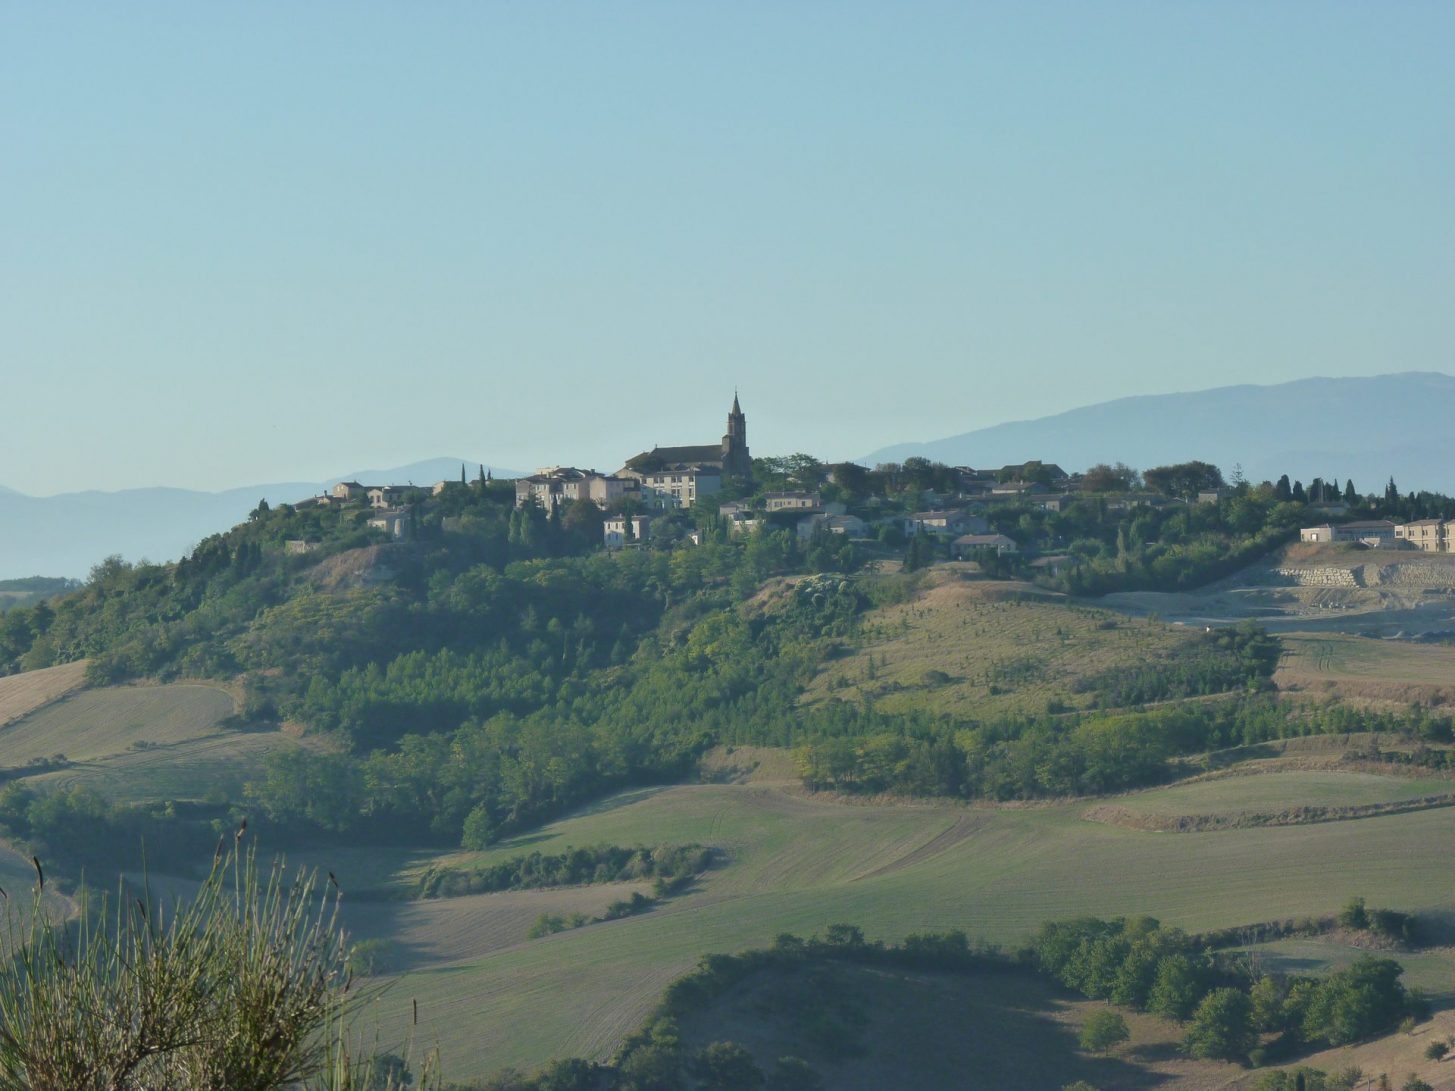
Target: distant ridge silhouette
<point x="66" y="534"/>
<point x="1366" y="428"/>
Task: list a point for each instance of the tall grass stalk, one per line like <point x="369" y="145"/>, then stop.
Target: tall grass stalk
<point x="243" y="987"/>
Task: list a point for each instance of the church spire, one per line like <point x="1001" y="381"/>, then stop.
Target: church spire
<point x="735" y="457"/>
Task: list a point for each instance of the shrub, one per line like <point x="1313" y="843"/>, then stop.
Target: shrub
<point x="1354" y="915"/>
<point x="244" y="986"/>
<point x="1102" y="1031"/>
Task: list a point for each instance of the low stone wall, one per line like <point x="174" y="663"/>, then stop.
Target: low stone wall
<point x="1320" y="577"/>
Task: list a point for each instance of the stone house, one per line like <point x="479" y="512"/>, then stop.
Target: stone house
<point x="968" y="545"/>
<point x="386" y="496"/>
<point x="621" y="530"/>
<point x="1050" y="501"/>
<point x="1430" y="535"/>
<point x="849" y="526"/>
<point x="395" y="522"/>
<point x="679" y="486"/>
<point x="564" y="484"/>
<point x="791" y="501"/>
<point x="740" y="519"/>
<point x="1375" y="533"/>
<point x="348" y="491"/>
<point x="945" y="524"/>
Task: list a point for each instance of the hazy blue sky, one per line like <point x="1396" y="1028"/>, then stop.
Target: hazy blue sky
<point x="249" y="242"/>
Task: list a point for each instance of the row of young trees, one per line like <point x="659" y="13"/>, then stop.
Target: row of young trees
<point x="1057" y="755"/>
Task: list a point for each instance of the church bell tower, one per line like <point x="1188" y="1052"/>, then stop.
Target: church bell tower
<point x="735" y="459"/>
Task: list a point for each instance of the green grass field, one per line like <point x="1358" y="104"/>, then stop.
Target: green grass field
<point x="1432" y="970"/>
<point x="1003" y="651"/>
<point x="488" y="996"/>
<point x="799" y="865"/>
<point x="1281" y="790"/>
<point x="1329" y="665"/>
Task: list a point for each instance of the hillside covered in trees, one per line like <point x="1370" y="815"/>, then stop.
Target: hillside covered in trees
<point x="501" y="666"/>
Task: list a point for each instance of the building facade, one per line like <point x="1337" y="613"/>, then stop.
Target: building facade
<point x="563" y="484"/>
<point x="621" y="530"/>
<point x="729" y="458"/>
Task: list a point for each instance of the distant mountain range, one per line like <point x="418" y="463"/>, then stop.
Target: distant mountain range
<point x="66" y="535"/>
<point x="1369" y="429"/>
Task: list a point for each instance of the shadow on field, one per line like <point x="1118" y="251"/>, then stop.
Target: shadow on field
<point x="1437" y="927"/>
<point x="867" y="1028"/>
<point x="623" y="799"/>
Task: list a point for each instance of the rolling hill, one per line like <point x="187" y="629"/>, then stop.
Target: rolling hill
<point x="1364" y="428"/>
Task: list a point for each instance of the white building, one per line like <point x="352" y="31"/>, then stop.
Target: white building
<point x="620" y="530"/>
<point x="1375" y="533"/>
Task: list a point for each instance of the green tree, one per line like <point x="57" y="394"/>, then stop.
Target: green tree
<point x="652" y="1059"/>
<point x="1266" y="998"/>
<point x="727" y="1066"/>
<point x="1184" y="479"/>
<point x="1102" y="1031"/>
<point x="1177" y="988"/>
<point x="1355" y="1002"/>
<point x="1221" y="1028"/>
<point x="1110" y="478"/>
<point x="793" y="1074"/>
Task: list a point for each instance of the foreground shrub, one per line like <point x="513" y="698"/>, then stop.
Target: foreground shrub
<point x="244" y="988"/>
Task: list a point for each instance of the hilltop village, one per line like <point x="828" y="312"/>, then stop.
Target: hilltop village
<point x="669" y="496"/>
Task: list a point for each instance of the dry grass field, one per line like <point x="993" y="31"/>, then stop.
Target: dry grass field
<point x="99" y="723"/>
<point x="135" y="743"/>
<point x="1001" y="647"/>
<point x="22" y="694"/>
<point x="213" y="767"/>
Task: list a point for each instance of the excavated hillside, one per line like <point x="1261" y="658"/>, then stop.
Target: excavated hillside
<point x="1321" y="588"/>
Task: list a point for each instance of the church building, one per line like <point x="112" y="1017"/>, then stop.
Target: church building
<point x="678" y="475"/>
